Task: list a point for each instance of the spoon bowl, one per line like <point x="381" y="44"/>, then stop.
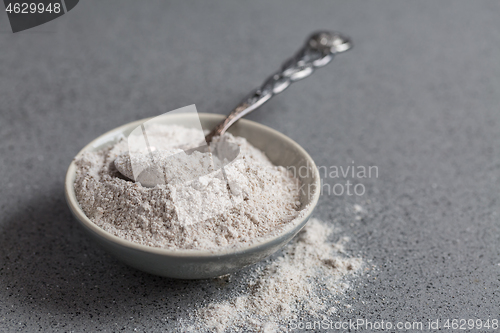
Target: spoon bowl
<point x="200" y="264"/>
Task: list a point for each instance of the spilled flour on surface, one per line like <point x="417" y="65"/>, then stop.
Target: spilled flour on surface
<point x="302" y="281"/>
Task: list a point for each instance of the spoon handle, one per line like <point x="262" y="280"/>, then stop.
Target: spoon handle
<point x="318" y="51"/>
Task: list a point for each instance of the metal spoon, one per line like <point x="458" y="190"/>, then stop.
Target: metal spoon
<point x="318" y="51"/>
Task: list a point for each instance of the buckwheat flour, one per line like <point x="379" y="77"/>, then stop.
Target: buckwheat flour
<point x="263" y="197"/>
<point x="310" y="272"/>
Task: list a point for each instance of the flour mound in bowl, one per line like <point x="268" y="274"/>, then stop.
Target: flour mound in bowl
<point x="268" y="198"/>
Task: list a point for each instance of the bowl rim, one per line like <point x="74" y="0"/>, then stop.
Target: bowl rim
<point x="226" y="250"/>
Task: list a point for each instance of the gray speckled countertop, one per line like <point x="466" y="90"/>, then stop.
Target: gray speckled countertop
<point x="418" y="97"/>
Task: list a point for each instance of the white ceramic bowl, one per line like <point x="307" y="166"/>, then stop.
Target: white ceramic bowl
<point x="199" y="264"/>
